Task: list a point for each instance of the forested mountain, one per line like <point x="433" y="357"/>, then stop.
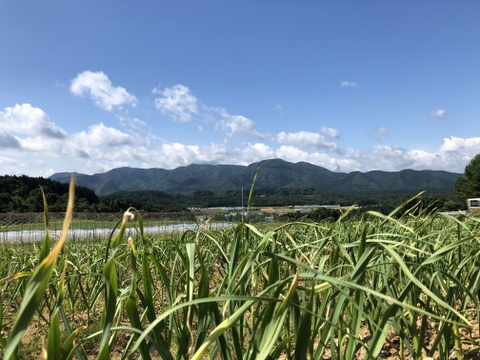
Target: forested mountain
<point x="273" y="173"/>
<point x="23" y="194"/>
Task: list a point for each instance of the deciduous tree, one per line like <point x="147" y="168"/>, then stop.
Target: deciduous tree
<point x="468" y="186"/>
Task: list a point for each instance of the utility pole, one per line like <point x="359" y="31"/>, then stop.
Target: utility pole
<point x="242" y="204"/>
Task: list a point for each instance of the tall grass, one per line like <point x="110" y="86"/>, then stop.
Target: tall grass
<point x="401" y="285"/>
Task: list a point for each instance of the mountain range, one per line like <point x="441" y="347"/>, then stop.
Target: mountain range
<point x="274" y="173"/>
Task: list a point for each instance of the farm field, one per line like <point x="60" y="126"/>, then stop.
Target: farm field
<point x="82" y="220"/>
<point x="382" y="286"/>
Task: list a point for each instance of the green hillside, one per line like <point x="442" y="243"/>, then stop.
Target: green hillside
<point x="24" y="194"/>
<point x="273" y="173"/>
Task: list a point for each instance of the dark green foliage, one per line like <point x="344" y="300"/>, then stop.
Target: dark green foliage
<point x="152" y="201"/>
<point x="23" y="194"/>
<point x="469" y="185"/>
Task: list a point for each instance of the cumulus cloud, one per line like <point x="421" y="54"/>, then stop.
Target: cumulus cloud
<point x="252" y="152"/>
<point x="395" y="158"/>
<point x="174" y="154"/>
<point x="99" y="87"/>
<point x="9" y="141"/>
<point x="350" y="84"/>
<point x="236" y="124"/>
<point x="26" y="119"/>
<point x="291" y="153"/>
<point x="178" y="102"/>
<point x="181" y="154"/>
<point x="99" y="134"/>
<point x="304" y="140"/>
<point x="26" y="130"/>
<point x="439" y="113"/>
<point x="100" y="147"/>
<point x="468" y="146"/>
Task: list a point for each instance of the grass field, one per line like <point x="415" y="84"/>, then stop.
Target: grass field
<point x="390" y="287"/>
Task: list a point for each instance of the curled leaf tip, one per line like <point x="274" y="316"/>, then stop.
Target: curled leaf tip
<point x="129" y="215"/>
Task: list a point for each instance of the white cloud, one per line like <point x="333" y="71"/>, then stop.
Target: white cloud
<point x="28" y="120"/>
<point x="439" y="113"/>
<point x="101" y="90"/>
<point x="172" y="155"/>
<point x="99" y="135"/>
<point x="304" y="140"/>
<point x="178" y="102"/>
<point x="395" y="158"/>
<point x="9" y="141"/>
<point x="469" y="146"/>
<point x="31" y="143"/>
<point x="43" y="145"/>
<point x="183" y="106"/>
<point x="251" y="153"/>
<point x="294" y="154"/>
<point x="379" y="157"/>
<point x="236" y="124"/>
<point x="180" y="154"/>
<point x="333" y="133"/>
<point x="291" y="153"/>
<point x="348" y="84"/>
<point x="101" y="148"/>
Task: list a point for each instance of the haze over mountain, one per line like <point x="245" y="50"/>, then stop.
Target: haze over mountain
<point x="271" y="173"/>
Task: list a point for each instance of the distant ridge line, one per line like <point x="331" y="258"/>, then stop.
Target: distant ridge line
<point x="274" y="173"/>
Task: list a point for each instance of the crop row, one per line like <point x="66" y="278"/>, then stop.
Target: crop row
<point x="383" y="286"/>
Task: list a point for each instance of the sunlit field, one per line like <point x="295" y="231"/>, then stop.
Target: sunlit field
<point x="388" y="287"/>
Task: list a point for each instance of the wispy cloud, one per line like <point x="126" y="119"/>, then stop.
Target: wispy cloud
<point x="99" y="87"/>
<point x="279" y="109"/>
<point x="133" y="124"/>
<point x="439" y="113"/>
<point x="178" y="102"/>
<point x="332" y="133"/>
<point x="232" y="124"/>
<point x="381" y="131"/>
<point x="350" y="84"/>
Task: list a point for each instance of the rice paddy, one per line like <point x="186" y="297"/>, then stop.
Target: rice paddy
<point x="399" y="286"/>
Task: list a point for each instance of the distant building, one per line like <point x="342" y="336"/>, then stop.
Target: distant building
<point x="473" y="204"/>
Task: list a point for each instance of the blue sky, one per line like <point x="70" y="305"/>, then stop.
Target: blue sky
<point x="88" y="86"/>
